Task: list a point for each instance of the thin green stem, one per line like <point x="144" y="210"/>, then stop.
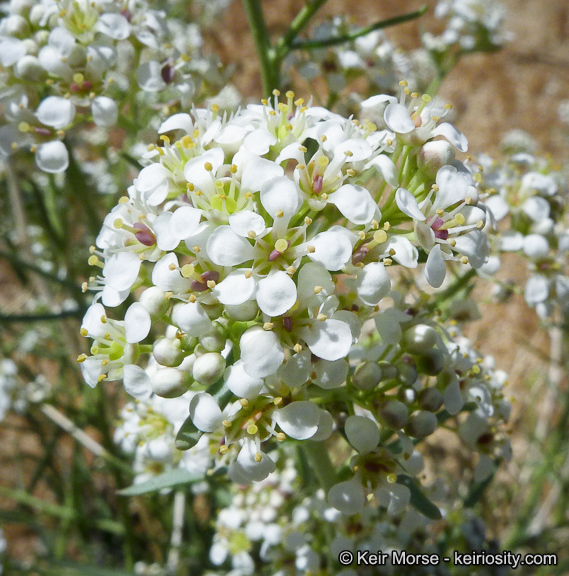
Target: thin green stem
<point x="314" y="44"/>
<point x="22" y="318"/>
<point x="270" y="68"/>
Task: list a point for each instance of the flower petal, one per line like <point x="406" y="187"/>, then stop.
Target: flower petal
<point x="298" y="420"/>
<point x="225" y="248"/>
<point x="276" y="293"/>
<point x="261" y="352"/>
<point x="330" y="339"/>
<point x="137" y="382"/>
<point x="435" y="268"/>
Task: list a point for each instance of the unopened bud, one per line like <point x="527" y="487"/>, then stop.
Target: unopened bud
<point x="433" y="156"/>
<point x="421" y="424"/>
<point x="419" y="338"/>
<point x="242" y="312"/>
<point x="208" y="368"/>
<point x="394" y="413"/>
<point x="29" y="68"/>
<point x="168" y="352"/>
<point x="431" y="362"/>
<point x="406" y="374"/>
<point x="215" y="340"/>
<point x="430" y="399"/>
<point x="155" y="302"/>
<point x="170" y="382"/>
<point x="367" y="376"/>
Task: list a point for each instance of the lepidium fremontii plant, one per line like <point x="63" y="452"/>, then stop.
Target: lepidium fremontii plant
<point x="258" y="247"/>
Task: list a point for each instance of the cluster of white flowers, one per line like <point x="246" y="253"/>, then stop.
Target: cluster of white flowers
<point x="529" y="193"/>
<point x="258" y="247"/>
<point x="473" y="25"/>
<point x="64" y="62"/>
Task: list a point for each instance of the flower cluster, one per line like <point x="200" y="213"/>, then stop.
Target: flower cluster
<point x="529" y="193"/>
<point x="64" y="62"/>
<point x="258" y="248"/>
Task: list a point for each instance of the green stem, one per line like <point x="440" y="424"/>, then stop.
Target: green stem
<point x="270" y="64"/>
<point x="313" y="44"/>
<point x="285" y="44"/>
<point x="319" y="458"/>
<point x="15" y="318"/>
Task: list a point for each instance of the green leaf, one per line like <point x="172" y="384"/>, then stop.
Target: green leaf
<point x="187" y="436"/>
<point x="77" y="569"/>
<point x="477" y="491"/>
<point x="418" y="499"/>
<point x="170" y="479"/>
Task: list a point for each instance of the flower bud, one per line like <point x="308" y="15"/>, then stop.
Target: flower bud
<point x="41" y="37"/>
<point x="367" y="376"/>
<point x="242" y="312"/>
<point x="394" y="413"/>
<point x="407" y="395"/>
<point x="214" y="311"/>
<point x="431" y="362"/>
<point x="29" y="68"/>
<point x="433" y="156"/>
<point x="406" y="374"/>
<point x="208" y="368"/>
<point x="430" y="399"/>
<point x="168" y="352"/>
<point x="421" y="424"/>
<point x="77" y="57"/>
<point x="170" y="382"/>
<point x="155" y="302"/>
<point x="215" y="340"/>
<point x="419" y="338"/>
<point x="388" y="370"/>
<point x="15" y="25"/>
<point x="21" y="7"/>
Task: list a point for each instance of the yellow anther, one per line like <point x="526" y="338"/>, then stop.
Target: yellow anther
<point x="103" y="319"/>
<point x="452" y="242"/>
<point x="362" y="235"/>
<point x="233" y="169"/>
<point x="297" y="348"/>
<point x="104" y="362"/>
<point x="14" y="146"/>
<point x="280" y="213"/>
<point x="208" y="166"/>
<point x="215" y="108"/>
<point x="303" y="149"/>
<point x="251" y="234"/>
<point x="223" y="449"/>
<point x="301" y="167"/>
<point x="323" y="138"/>
<point x="311" y="249"/>
<point x="479" y="224"/>
<point x="348" y="153"/>
<point x="101" y="377"/>
<point x="196" y="249"/>
<point x="317" y="289"/>
<point x="160" y="151"/>
<point x="468" y="200"/>
<point x="118" y="224"/>
<point x="448" y="106"/>
<point x="165" y="138"/>
<point x="387" y="226"/>
<point x="281" y="436"/>
<point x="264" y="102"/>
<point x="84" y="287"/>
<point x="244" y="402"/>
<point x="227" y="423"/>
<point x="258" y="457"/>
<point x="290" y="94"/>
<point x="464" y="259"/>
<point x="324" y="196"/>
<point x="211" y="284"/>
<point x="248" y="195"/>
<point x="387" y="261"/>
<point x="192" y="298"/>
<point x="84" y="332"/>
<point x="276" y="92"/>
<point x="281" y="245"/>
<point x="290" y="270"/>
<point x="391" y="252"/>
<point x="322" y="317"/>
<point x="94" y="261"/>
<point x="187" y="141"/>
<point x="268" y="326"/>
<point x="403" y="83"/>
<point x="460" y="219"/>
<point x="351" y="172"/>
<point x="278" y="401"/>
<point x="248" y="274"/>
<point x="308" y="221"/>
<point x="252" y="429"/>
<point x="392" y="478"/>
<point x="172" y="267"/>
<point x="188" y="270"/>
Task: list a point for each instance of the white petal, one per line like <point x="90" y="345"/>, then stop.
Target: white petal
<point x="330" y="339"/>
<point x="149" y="76"/>
<point x="475" y="245"/>
<point x="405" y="253"/>
<point x="280" y="194"/>
<point x="205" y="412"/>
<point x="377" y="100"/>
<point x="259" y="141"/>
<point x="511" y="241"/>
<point x="453" y="398"/>
<point x="92" y="321"/>
<point x="91" y="370"/>
<point x="195" y="172"/>
<point x="137" y="323"/>
<point x="536" y="246"/>
<point x="261" y="352"/>
<point x="225" y="248"/>
<point x="235" y="288"/>
<point x="453" y="135"/>
<point x="248" y="465"/>
<point x="362" y="433"/>
<point x="311" y="275"/>
<point x="185" y="222"/>
<point x="397" y="118"/>
<point x="246" y="221"/>
<point x="52" y="157"/>
<point x="114" y="26"/>
<point x="121" y="270"/>
<point x="498" y="206"/>
<point x="536" y="290"/>
<point x="181" y="121"/>
<point x="385" y="166"/>
<point x="276" y="293"/>
<point x="165" y="238"/>
<point x="373" y="283"/>
<point x="325" y="426"/>
<point x="407" y="203"/>
<point x="166" y="279"/>
<point x="359" y="149"/>
<point x="191" y="318"/>
<point x="105" y="111"/>
<point x="298" y="420"/>
<point x="347" y="497"/>
<point x="137" y="382"/>
<point x="56" y="111"/>
<point x="330" y="374"/>
<point x="297" y="370"/>
<point x="11" y="50"/>
<point x="435" y="268"/>
<point x="256" y="172"/>
<point x="240" y="383"/>
<point x="355" y="203"/>
<point x="536" y="208"/>
<point x="332" y="249"/>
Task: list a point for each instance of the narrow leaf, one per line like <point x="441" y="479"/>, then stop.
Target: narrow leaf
<point x="418" y="499"/>
<point x="170" y="479"/>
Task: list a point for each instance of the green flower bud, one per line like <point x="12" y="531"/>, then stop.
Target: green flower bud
<point x="394" y="414"/>
<point x="430" y="399"/>
<point x="433" y="156"/>
<point x="243" y="312"/>
<point x="388" y="370"/>
<point x="29" y="68"/>
<point x="215" y="340"/>
<point x="170" y="382"/>
<point x="155" y="302"/>
<point x="367" y="376"/>
<point x="406" y="374"/>
<point x="407" y="395"/>
<point x="419" y="338"/>
<point x="168" y="352"/>
<point x="431" y="362"/>
<point x="208" y="368"/>
<point x="421" y="424"/>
